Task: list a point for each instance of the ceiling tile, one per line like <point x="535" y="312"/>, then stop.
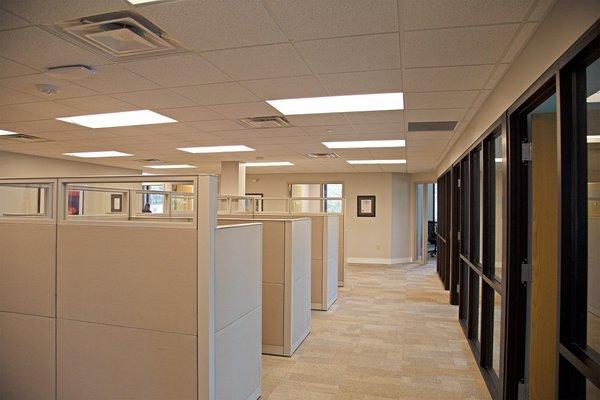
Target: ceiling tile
<point x="32" y="127"/>
<point x="427" y="136"/>
<point x="61" y="9"/>
<point x="185" y="114"/>
<point x="98" y="104"/>
<point x="375" y="117"/>
<point x="177" y="70"/>
<point x="481" y="98"/>
<point x="358" y="53"/>
<point x="9" y="96"/>
<point x="27" y="84"/>
<point x="541" y="9"/>
<point x="10" y="21"/>
<point x="10" y="113"/>
<point x="281" y="132"/>
<point x="443" y="114"/>
<point x="218" y="93"/>
<point x="159" y="98"/>
<point x="446" y="78"/>
<point x="519" y="41"/>
<point x="496" y="75"/>
<point x="386" y="81"/>
<point x="286" y="88"/>
<point x="317" y="119"/>
<point x="429" y="100"/>
<point x="11" y="68"/>
<point x="208" y="25"/>
<point x="48" y="109"/>
<point x="457" y="46"/>
<point x="217" y="125"/>
<point x="329" y="130"/>
<point x="313" y="19"/>
<point x="115" y="79"/>
<point x="245" y="110"/>
<point x="429" y="14"/>
<point x="259" y="62"/>
<point x="238" y="134"/>
<point x="41" y="49"/>
<point x="396" y="128"/>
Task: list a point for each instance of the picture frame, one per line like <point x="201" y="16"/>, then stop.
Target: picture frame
<point x="116" y="203"/>
<point x="365" y="206"/>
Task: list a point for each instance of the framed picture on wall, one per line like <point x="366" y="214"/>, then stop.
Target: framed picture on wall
<point x="116" y="203"/>
<point x="365" y="206"/>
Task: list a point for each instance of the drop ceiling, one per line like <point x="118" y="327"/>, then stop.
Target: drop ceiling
<point x="446" y="56"/>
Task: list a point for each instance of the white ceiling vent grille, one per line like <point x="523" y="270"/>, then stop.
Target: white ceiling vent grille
<point x="266" y="122"/>
<point x="120" y="35"/>
<point x="24" y="138"/>
<point x="322" y="155"/>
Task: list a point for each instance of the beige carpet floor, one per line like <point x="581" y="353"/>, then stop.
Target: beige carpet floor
<point x="390" y="335"/>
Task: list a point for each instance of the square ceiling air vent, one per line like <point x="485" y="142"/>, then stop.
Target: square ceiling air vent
<point x="432" y="126"/>
<point x="266" y="122"/>
<point x="21" y="137"/>
<point x="120" y="35"/>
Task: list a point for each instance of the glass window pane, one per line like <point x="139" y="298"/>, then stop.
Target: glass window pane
<point x="476" y="208"/>
<point x="496" y="176"/>
<point x="480" y="307"/>
<point x="463" y="290"/>
<point x="464" y="230"/>
<point x="593" y="156"/>
<point x="496" y="333"/>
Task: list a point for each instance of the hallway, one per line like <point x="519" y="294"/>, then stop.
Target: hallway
<point x="391" y="335"/>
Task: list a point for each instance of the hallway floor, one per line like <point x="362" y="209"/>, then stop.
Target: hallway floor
<point x="390" y="335"/>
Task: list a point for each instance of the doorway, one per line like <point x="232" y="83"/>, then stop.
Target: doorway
<point x="425" y="222"/>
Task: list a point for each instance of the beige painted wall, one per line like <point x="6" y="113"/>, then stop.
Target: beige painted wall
<point x="565" y="23"/>
<point x="13" y="165"/>
<point x="382" y="239"/>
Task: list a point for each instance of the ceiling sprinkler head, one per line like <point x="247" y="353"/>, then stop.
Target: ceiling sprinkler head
<point x="47" y="88"/>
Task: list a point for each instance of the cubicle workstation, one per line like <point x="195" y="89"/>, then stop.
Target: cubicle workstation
<point x="286" y="282"/>
<point x="127" y="273"/>
<point x="296" y="207"/>
<point x="328" y="242"/>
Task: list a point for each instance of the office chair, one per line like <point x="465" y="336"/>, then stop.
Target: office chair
<point x="432" y="237"/>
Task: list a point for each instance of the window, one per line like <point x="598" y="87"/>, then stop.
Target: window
<point x="317" y="197"/>
<point x="153" y="202"/>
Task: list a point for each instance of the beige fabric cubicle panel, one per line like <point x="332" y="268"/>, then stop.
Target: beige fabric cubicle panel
<point x="285" y="282"/>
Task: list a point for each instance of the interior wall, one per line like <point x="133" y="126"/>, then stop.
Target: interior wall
<point x="565" y="23"/>
<point x="14" y="165"/>
<point x="380" y="240"/>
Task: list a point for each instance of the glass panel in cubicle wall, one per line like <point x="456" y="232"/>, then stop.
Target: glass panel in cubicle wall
<point x="129" y="200"/>
<point x="26" y="200"/>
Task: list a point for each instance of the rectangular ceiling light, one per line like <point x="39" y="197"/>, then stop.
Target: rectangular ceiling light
<point x="170" y="166"/>
<point x="498" y="159"/>
<point x="126" y="118"/>
<point x="268" y="164"/>
<point x="593" y="139"/>
<point x="594" y="98"/>
<point x="365" y="144"/>
<point x="136" y="2"/>
<point x="216" y="149"/>
<point x="6" y="133"/>
<point x="98" y="154"/>
<point x="367" y="162"/>
<point x="340" y="104"/>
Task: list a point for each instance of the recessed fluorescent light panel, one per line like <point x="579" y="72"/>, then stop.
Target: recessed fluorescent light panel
<point x="593" y="139"/>
<point x="498" y="159"/>
<point x="216" y="149"/>
<point x="368" y="162"/>
<point x="340" y="104"/>
<point x="111" y="120"/>
<point x="594" y="98"/>
<point x="136" y="2"/>
<point x="6" y="133"/>
<point x="268" y="164"/>
<point x="171" y="166"/>
<point x="98" y="154"/>
<point x="365" y="144"/>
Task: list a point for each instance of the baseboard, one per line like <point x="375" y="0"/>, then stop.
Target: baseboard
<point x="340" y="283"/>
<point x="272" y="350"/>
<point x="384" y="261"/>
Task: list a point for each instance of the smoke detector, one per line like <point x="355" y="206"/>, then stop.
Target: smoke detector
<point x="46" y="88"/>
<point x="274" y="121"/>
<point x="322" y="155"/>
<point x="119" y="35"/>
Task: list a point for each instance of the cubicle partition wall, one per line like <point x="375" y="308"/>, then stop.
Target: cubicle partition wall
<point x="285" y="283"/>
<point x="111" y="286"/>
<point x="295" y="207"/>
<point x="324" y="254"/>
